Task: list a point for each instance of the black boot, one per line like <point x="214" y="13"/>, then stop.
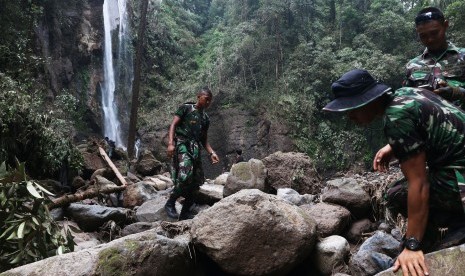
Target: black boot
<point x="185" y="211"/>
<point x="170" y="207"/>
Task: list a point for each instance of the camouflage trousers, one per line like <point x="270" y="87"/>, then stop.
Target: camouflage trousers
<point x="445" y="204"/>
<point x="186" y="171"/>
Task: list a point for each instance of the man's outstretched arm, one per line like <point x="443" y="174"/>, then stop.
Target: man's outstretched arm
<point x="414" y="170"/>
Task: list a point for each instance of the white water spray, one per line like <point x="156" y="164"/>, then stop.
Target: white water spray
<point x="115" y="16"/>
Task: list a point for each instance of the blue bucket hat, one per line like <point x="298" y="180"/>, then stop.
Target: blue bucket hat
<point x="355" y="89"/>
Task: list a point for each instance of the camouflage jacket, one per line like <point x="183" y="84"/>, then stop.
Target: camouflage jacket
<point x="425" y="70"/>
<point x="194" y="123"/>
<point x="418" y="120"/>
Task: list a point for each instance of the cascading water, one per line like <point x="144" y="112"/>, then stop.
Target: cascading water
<point x="116" y="78"/>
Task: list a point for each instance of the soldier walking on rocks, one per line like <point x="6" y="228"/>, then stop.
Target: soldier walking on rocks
<point x="187" y="133"/>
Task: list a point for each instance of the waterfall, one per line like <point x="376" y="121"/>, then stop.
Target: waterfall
<point x="118" y="72"/>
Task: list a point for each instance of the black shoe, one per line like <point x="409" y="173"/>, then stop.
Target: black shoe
<point x="186" y="215"/>
<point x="185" y="211"/>
<point x="170" y="208"/>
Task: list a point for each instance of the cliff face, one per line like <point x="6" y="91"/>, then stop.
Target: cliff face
<point x="69" y="37"/>
<point x="230" y="129"/>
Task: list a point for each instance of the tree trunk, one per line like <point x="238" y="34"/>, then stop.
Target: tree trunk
<point x="136" y="83"/>
<point x="89" y="193"/>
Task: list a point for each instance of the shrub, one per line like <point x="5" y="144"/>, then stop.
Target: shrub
<point x="27" y="230"/>
<point x="31" y="134"/>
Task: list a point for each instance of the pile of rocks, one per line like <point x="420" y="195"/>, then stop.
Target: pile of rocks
<point x="249" y="221"/>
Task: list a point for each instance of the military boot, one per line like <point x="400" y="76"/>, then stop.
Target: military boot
<point x="170" y="207"/>
<point x="185" y="211"/>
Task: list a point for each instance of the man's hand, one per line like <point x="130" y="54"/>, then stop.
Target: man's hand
<point x="451" y="93"/>
<point x="411" y="263"/>
<point x="170" y="150"/>
<point x="214" y="158"/>
<point x="382" y="159"/>
<point x="445" y="92"/>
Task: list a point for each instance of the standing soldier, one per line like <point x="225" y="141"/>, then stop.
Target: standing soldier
<point x="188" y="131"/>
<point x="441" y="66"/>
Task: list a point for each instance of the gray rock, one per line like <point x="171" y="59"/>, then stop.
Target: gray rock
<point x="330" y="255"/>
<point x="292" y="170"/>
<point x="375" y="254"/>
<point x="91" y="217"/>
<point x="447" y="261"/>
<point x="145" y="253"/>
<point x="159" y="182"/>
<point x="384" y="227"/>
<point x="138" y="227"/>
<point x="78" y="182"/>
<point x="209" y="194"/>
<point x="382" y="242"/>
<point x="253" y="233"/>
<point x="357" y="229"/>
<point x="397" y="234"/>
<point x="331" y="219"/>
<point x="104" y="172"/>
<point x="153" y="210"/>
<point x="366" y="263"/>
<point x="137" y="194"/>
<point x="221" y="179"/>
<point x="294" y="197"/>
<point x="245" y="175"/>
<point x="348" y="193"/>
<point x="147" y="164"/>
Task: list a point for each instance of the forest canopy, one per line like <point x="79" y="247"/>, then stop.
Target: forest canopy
<point x="281" y="56"/>
<point x="275" y="57"/>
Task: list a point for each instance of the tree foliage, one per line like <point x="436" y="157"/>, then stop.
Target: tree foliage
<point x="27" y="230"/>
<point x="31" y="134"/>
<point x="281" y="56"/>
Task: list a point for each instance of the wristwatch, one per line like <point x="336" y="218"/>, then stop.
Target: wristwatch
<point x="412" y="244"/>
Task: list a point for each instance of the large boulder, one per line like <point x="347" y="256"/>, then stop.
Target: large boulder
<point x="209" y="194"/>
<point x="376" y="254"/>
<point x="292" y="170"/>
<point x="136" y="194"/>
<point x="91" y="217"/>
<point x="331" y="219"/>
<point x="349" y="193"/>
<point x="449" y="260"/>
<point x="330" y="255"/>
<point x="92" y="162"/>
<point x="245" y="175"/>
<point x="145" y="253"/>
<point x="254" y="233"/>
<point x="154" y="210"/>
<point x="147" y="164"/>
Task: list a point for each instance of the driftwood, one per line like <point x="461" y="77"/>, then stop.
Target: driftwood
<point x="94" y="191"/>
<point x="89" y="193"/>
<point x="112" y="166"/>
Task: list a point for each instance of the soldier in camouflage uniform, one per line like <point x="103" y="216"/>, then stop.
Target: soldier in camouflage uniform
<point x="188" y="131"/>
<point x="427" y="135"/>
<point x="441" y="66"/>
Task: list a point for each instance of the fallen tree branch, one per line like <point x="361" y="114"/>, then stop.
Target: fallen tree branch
<point x="112" y="166"/>
<point x="89" y="193"/>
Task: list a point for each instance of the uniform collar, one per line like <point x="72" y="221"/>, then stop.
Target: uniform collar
<point x="450" y="48"/>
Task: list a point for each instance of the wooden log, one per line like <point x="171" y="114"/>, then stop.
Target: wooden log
<point x="89" y="193"/>
<point x="112" y="166"/>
